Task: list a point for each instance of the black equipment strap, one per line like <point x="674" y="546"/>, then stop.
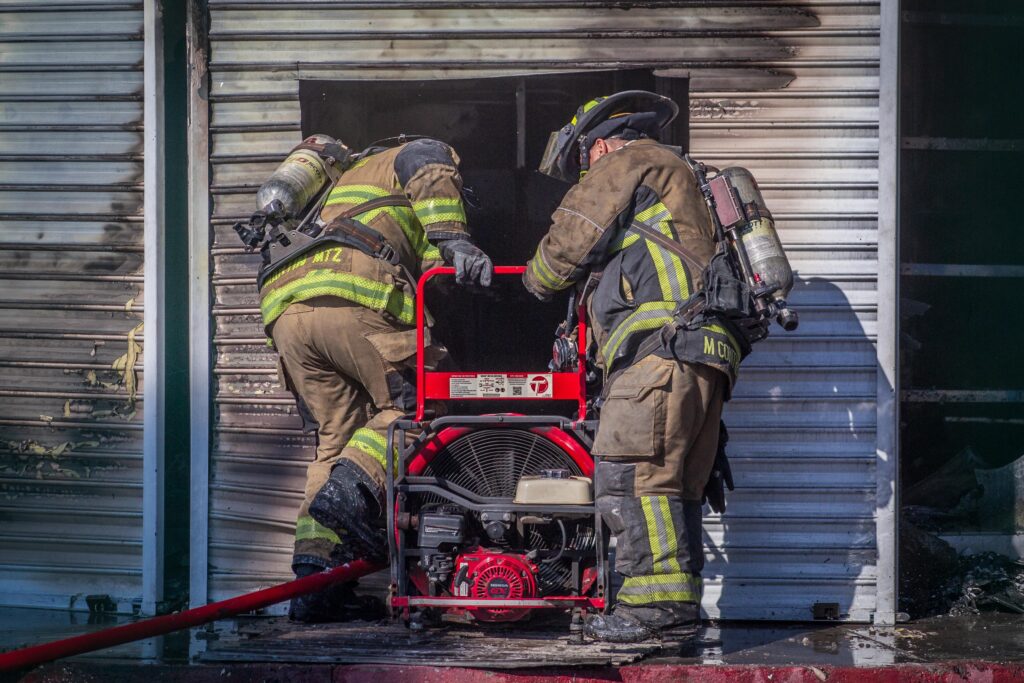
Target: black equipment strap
<point x="336" y="151"/>
<point x="660" y="338"/>
<point x="362" y="236"/>
<point x="343" y="229"/>
<point x="670" y="244"/>
<point x="682" y="316"/>
<point x="380" y="202"/>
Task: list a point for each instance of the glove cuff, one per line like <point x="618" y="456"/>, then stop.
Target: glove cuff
<point x="439" y="236"/>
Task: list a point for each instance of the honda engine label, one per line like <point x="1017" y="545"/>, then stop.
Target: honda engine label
<point x="501" y="385"/>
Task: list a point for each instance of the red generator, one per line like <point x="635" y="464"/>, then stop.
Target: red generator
<point x="492" y="516"/>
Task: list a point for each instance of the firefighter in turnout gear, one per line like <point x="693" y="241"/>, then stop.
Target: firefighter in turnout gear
<point x="341" y="318"/>
<point x="636" y="229"/>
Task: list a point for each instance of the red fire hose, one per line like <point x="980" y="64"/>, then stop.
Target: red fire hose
<point x="157" y="626"/>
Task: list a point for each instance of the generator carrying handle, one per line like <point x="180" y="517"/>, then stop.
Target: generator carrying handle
<point x="491" y="386"/>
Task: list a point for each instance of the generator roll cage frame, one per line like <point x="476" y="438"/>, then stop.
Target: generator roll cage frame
<point x="435" y="386"/>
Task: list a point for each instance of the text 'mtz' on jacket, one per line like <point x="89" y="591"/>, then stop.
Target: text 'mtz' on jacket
<point x="424" y="171"/>
<point x="642" y="282"/>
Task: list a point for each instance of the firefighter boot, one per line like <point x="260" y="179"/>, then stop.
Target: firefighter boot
<point x="626" y="624"/>
<point x="351" y="504"/>
<point x="334" y="603"/>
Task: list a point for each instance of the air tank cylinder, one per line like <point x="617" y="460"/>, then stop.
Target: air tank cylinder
<point x="299" y="178"/>
<point x="756" y="242"/>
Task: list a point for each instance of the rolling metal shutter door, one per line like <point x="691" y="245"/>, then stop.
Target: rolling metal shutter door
<point x="71" y="257"/>
<point x="790" y="92"/>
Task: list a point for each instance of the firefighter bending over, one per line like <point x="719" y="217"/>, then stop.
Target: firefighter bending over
<point x="636" y="228"/>
<point x="340" y="310"/>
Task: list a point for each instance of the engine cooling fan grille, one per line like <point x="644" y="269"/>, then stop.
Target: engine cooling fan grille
<point x="490" y="462"/>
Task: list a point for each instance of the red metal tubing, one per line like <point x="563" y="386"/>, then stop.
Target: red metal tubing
<point x="421" y="372"/>
<point x="157" y="626"/>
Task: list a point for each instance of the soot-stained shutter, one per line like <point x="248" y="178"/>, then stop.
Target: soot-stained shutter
<point x="789" y="91"/>
<point x="71" y="276"/>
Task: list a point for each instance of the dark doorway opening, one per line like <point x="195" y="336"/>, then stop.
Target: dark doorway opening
<point x="499" y="127"/>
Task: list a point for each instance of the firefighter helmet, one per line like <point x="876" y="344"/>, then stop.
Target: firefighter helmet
<point x="630" y="113"/>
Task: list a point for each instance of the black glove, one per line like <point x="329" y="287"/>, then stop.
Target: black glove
<point x="472" y="266"/>
<point x="721" y="475"/>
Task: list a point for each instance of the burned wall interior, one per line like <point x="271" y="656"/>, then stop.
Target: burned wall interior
<point x="962" y="388"/>
<point x="499" y="127"/>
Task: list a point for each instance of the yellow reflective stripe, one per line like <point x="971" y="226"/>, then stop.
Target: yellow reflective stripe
<point x="308" y="529"/>
<point x="674" y="587"/>
<point x="413" y="232"/>
<point x="325" y="282"/>
<point x="672" y="277"/>
<point x="653" y="534"/>
<point x="543" y="272"/>
<point x="431" y="253"/>
<point x="672" y="547"/>
<point x="647" y="316"/>
<point x="661" y="533"/>
<point x="355" y="194"/>
<point x="677" y="274"/>
<point x="587" y="107"/>
<point x="680" y="273"/>
<point x="439" y="210"/>
<point x="650" y="212"/>
<point x="659" y="267"/>
<point x="634" y="583"/>
<point x="371" y="443"/>
<point x="359" y="194"/>
<point x="660" y="596"/>
<point x="623" y="241"/>
<point x="400" y="214"/>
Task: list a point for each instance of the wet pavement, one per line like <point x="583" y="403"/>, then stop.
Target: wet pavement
<point x="816" y="647"/>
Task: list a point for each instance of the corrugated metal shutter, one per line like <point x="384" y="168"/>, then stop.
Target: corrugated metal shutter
<point x="791" y="91"/>
<point x="70" y="275"/>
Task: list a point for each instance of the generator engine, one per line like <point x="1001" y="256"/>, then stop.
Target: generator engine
<point x="489" y="575"/>
<point x="526" y="532"/>
<point x="491" y="516"/>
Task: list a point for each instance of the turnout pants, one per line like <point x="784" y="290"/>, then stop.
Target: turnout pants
<point x="657" y="438"/>
<point x="347" y="363"/>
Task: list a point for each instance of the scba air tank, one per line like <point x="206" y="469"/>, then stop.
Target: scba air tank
<point x="760" y="250"/>
<point x="300" y="177"/>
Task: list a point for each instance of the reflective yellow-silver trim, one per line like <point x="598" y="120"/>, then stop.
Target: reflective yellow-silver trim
<point x="373" y="444"/>
<point x="648" y="316"/>
<point x="308" y="529"/>
<point x="376" y="296"/>
<point x="674" y="587"/>
<point x="661" y="533"/>
<point x="439" y="210"/>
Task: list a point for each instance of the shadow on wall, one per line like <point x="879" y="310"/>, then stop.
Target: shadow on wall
<point x="797" y="541"/>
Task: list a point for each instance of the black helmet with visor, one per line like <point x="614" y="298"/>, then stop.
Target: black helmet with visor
<point x="630" y="114"/>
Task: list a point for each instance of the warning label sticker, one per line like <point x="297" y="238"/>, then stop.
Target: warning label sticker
<point x="501" y="385"/>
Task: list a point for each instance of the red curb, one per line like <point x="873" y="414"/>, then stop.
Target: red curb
<point x="982" y="672"/>
<point x="945" y="672"/>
